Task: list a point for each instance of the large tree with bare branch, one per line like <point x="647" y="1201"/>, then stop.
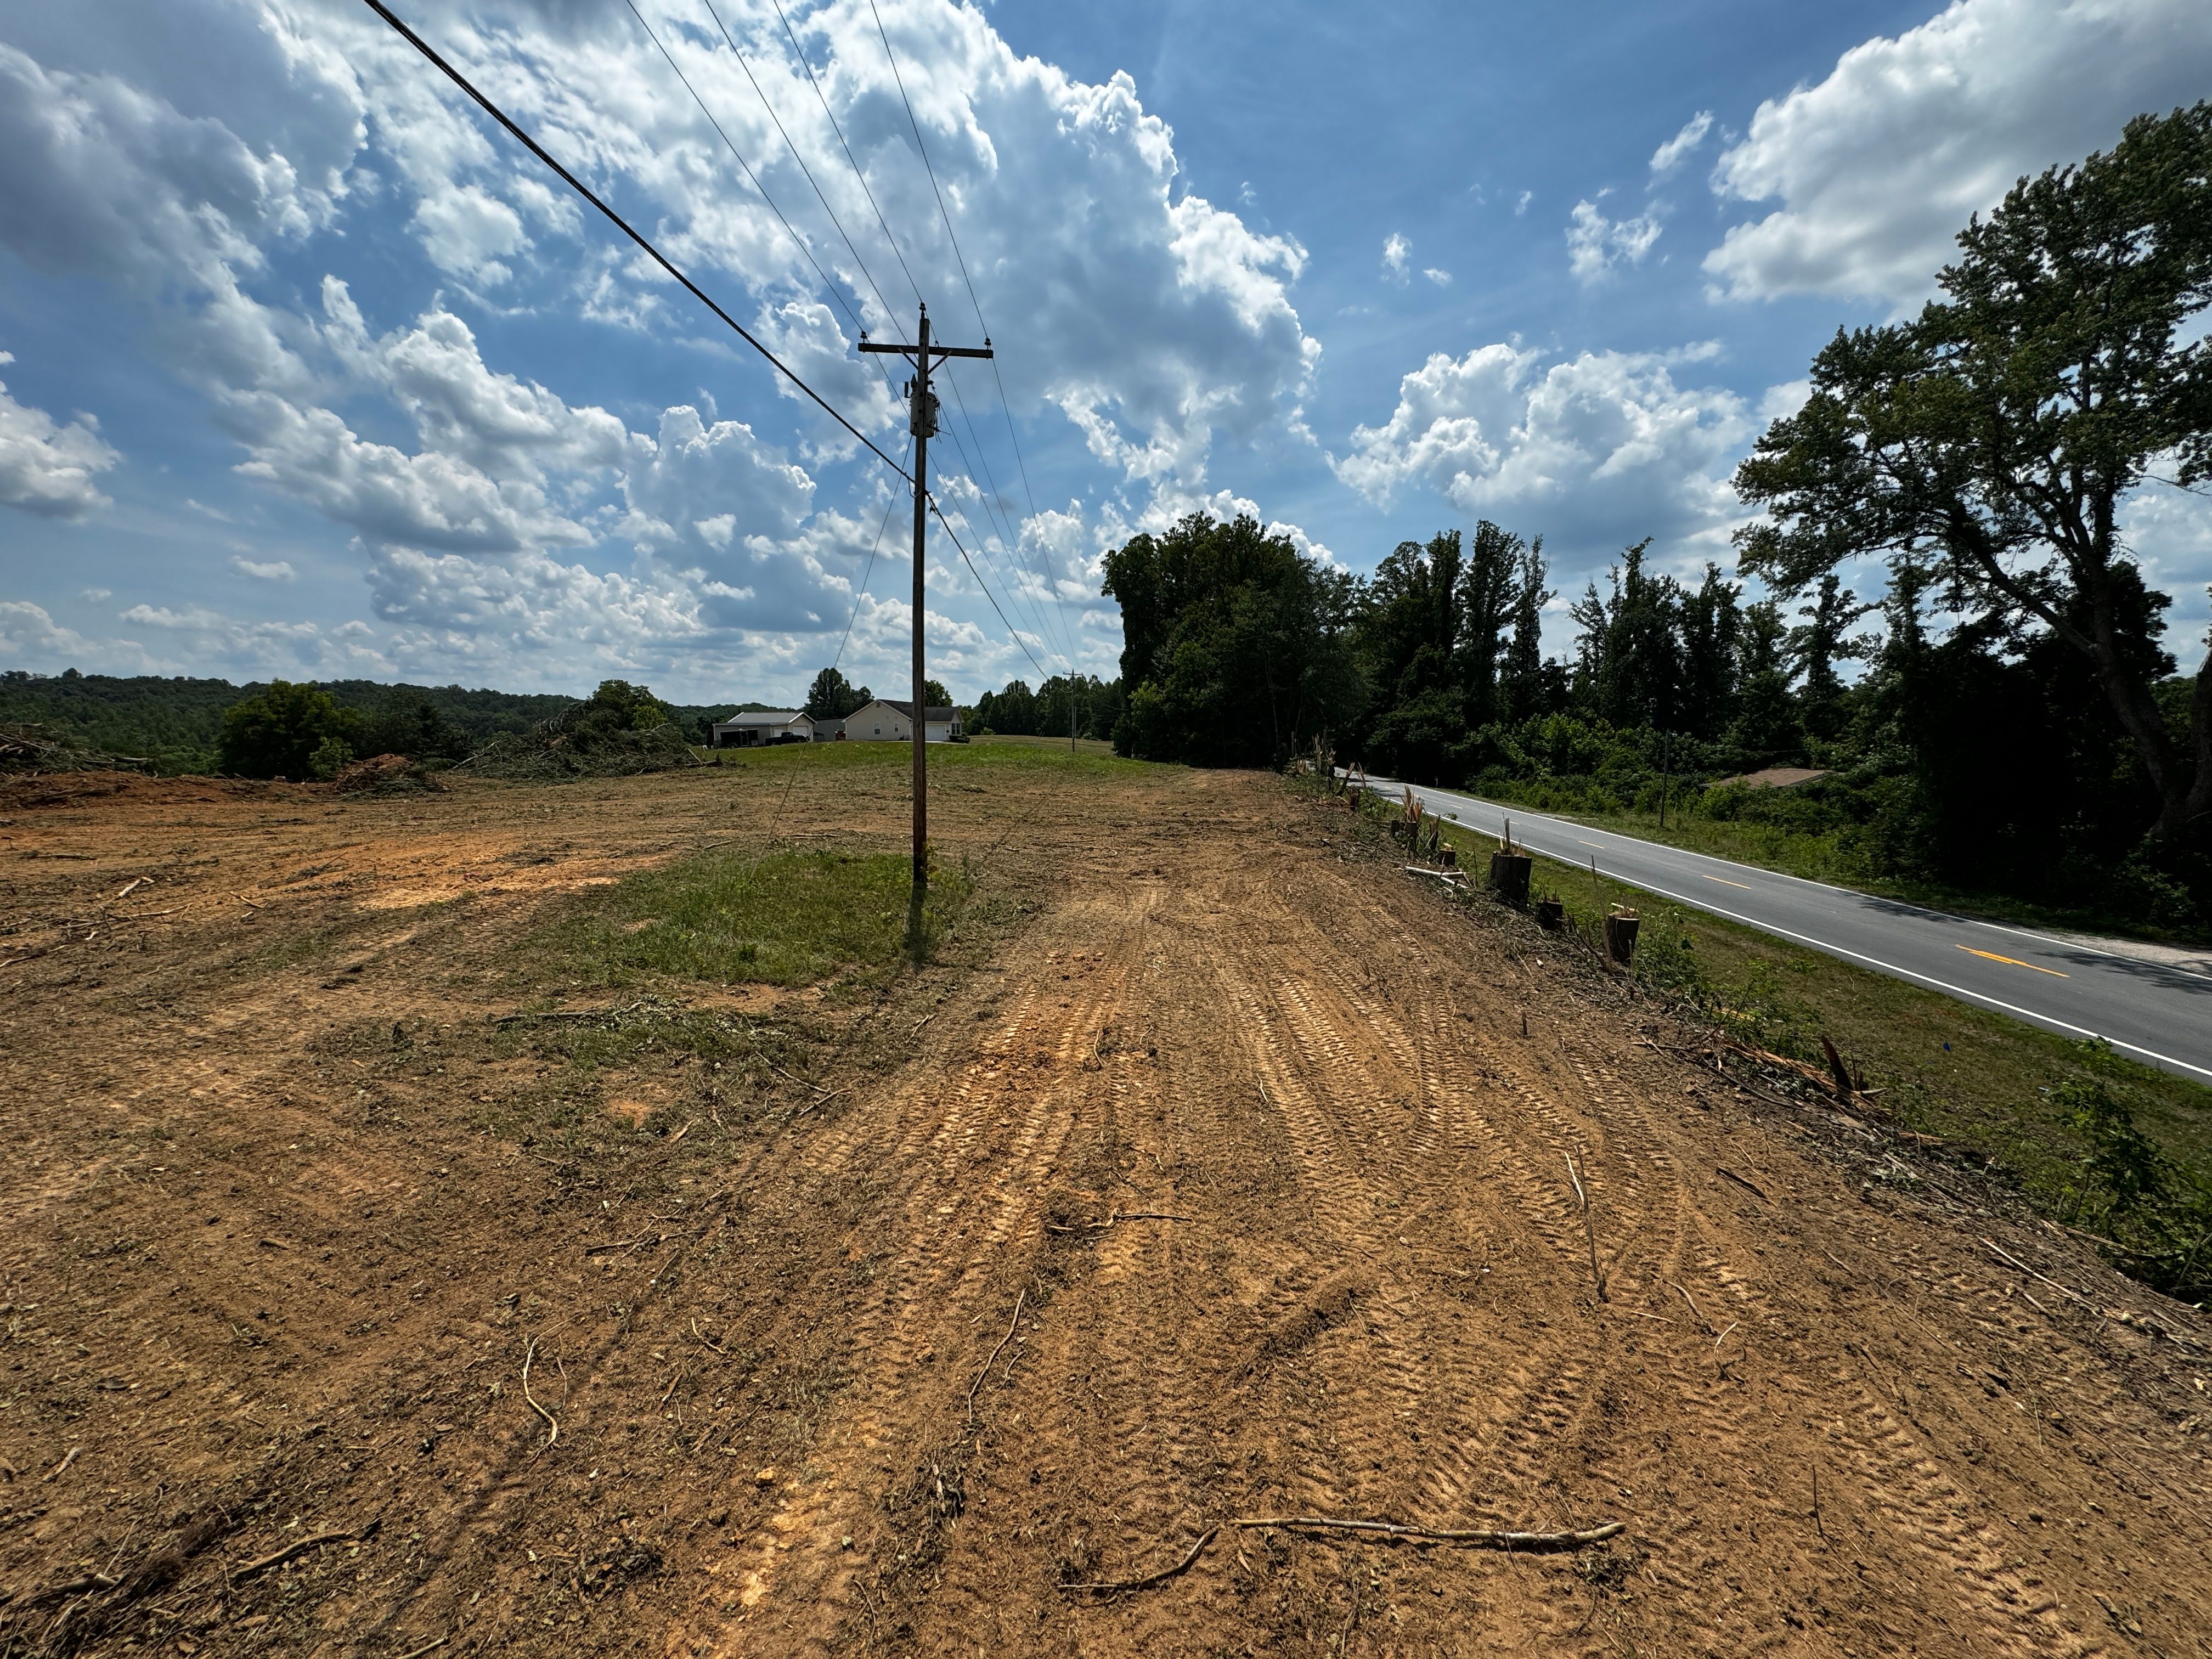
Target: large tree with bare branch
<point x="1988" y="445"/>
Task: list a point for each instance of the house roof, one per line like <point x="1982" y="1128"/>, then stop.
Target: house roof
<point x="1774" y="777"/>
<point x="906" y="709"/>
<point x="764" y="717"/>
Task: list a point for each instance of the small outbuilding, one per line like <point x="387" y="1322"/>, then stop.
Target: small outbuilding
<point x="756" y="728"/>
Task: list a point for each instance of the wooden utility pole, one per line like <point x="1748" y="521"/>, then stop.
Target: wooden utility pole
<point x="921" y="421"/>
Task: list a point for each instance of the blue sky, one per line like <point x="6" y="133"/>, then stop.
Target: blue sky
<point x="308" y="371"/>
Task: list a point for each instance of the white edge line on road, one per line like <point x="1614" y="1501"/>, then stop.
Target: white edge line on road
<point x="1808" y="881"/>
<point x="1907" y="973"/>
<point x="1824" y="886"/>
<point x="1837" y="950"/>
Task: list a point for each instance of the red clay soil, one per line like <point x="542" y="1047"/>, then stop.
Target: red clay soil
<point x="1220" y="1172"/>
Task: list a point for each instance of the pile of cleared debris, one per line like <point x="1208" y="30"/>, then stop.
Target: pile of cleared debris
<point x="580" y="742"/>
<point x="385" y="774"/>
<point x="32" y="749"/>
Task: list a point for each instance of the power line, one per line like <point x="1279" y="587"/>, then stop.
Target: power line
<point x="992" y="513"/>
<point x="996" y="528"/>
<point x="623" y="226"/>
<point x="807" y="253"/>
<point x="1010" y="540"/>
<point x="985" y="488"/>
<point x="690" y="287"/>
<point x="804" y="251"/>
<point x="862" y="592"/>
<point x="1012" y="633"/>
<point x="1004" y="407"/>
<point x="931" y="171"/>
<point x="738" y="53"/>
<point x="822" y="98"/>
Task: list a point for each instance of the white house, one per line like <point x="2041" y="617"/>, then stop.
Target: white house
<point x="756" y="727"/>
<point x="885" y="721"/>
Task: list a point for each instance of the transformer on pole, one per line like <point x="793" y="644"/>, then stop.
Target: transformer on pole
<point x="921" y="421"/>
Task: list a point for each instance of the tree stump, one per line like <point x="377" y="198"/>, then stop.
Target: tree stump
<point x="1620" y="935"/>
<point x="1551" y="915"/>
<point x="1508" y="874"/>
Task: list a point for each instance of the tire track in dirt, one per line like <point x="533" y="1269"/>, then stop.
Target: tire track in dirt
<point x="1380" y="1304"/>
<point x="910" y="1348"/>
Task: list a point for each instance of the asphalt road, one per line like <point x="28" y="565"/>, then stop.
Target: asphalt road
<point x="2158" y="1014"/>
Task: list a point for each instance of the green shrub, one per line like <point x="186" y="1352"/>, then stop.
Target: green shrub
<point x="330" y="757"/>
<point x="277" y="732"/>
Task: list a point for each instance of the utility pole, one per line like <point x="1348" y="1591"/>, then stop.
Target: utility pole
<point x="921" y="421"/>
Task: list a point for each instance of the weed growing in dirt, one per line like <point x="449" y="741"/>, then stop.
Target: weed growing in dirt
<point x="618" y="1039"/>
<point x="679" y="1063"/>
<point x="790" y="919"/>
<point x="2158" y="1211"/>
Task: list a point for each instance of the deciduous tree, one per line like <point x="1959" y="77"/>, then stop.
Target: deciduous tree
<point x="1989" y="445"/>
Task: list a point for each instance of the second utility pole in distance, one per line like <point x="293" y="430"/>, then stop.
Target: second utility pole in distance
<point x="921" y="421"/>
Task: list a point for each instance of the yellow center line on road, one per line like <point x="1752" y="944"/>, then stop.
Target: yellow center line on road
<point x="1598" y="844"/>
<point x="2015" y="961"/>
<point x="1725" y="882"/>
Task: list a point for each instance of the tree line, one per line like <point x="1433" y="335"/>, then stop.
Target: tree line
<point x="274" y="728"/>
<point x="2005" y="712"/>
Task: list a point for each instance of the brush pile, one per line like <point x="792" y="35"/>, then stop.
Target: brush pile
<point x="384" y="774"/>
<point x="31" y="749"/>
<point x="581" y="742"/>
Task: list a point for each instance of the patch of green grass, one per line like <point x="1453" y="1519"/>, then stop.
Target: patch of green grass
<point x="293" y="949"/>
<point x="1083" y="745"/>
<point x="736" y="917"/>
<point x="1034" y="757"/>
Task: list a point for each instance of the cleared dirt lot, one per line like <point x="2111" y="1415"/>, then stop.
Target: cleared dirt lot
<point x="288" y="1209"/>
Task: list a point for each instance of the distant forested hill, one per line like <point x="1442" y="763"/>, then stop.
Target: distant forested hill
<point x="174" y="722"/>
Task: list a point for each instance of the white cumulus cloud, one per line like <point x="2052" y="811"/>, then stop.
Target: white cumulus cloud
<point x="1878" y="166"/>
<point x="1396" y="252"/>
<point x="1594" y="451"/>
<point x="1596" y="245"/>
<point x="1683" y="145"/>
<point x="273" y="570"/>
<point x="1159" y="324"/>
<point x="46" y="467"/>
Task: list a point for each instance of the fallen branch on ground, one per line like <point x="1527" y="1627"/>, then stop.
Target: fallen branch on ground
<point x="1494" y="1541"/>
<point x="1117" y="1215"/>
<point x="297" y="1546"/>
<point x="1590" y="1232"/>
<point x="1741" y="1182"/>
<point x="818" y="1101"/>
<point x="528" y="1353"/>
<point x="82" y="1585"/>
<point x="1149" y="1579"/>
<point x="1019" y="1300"/>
